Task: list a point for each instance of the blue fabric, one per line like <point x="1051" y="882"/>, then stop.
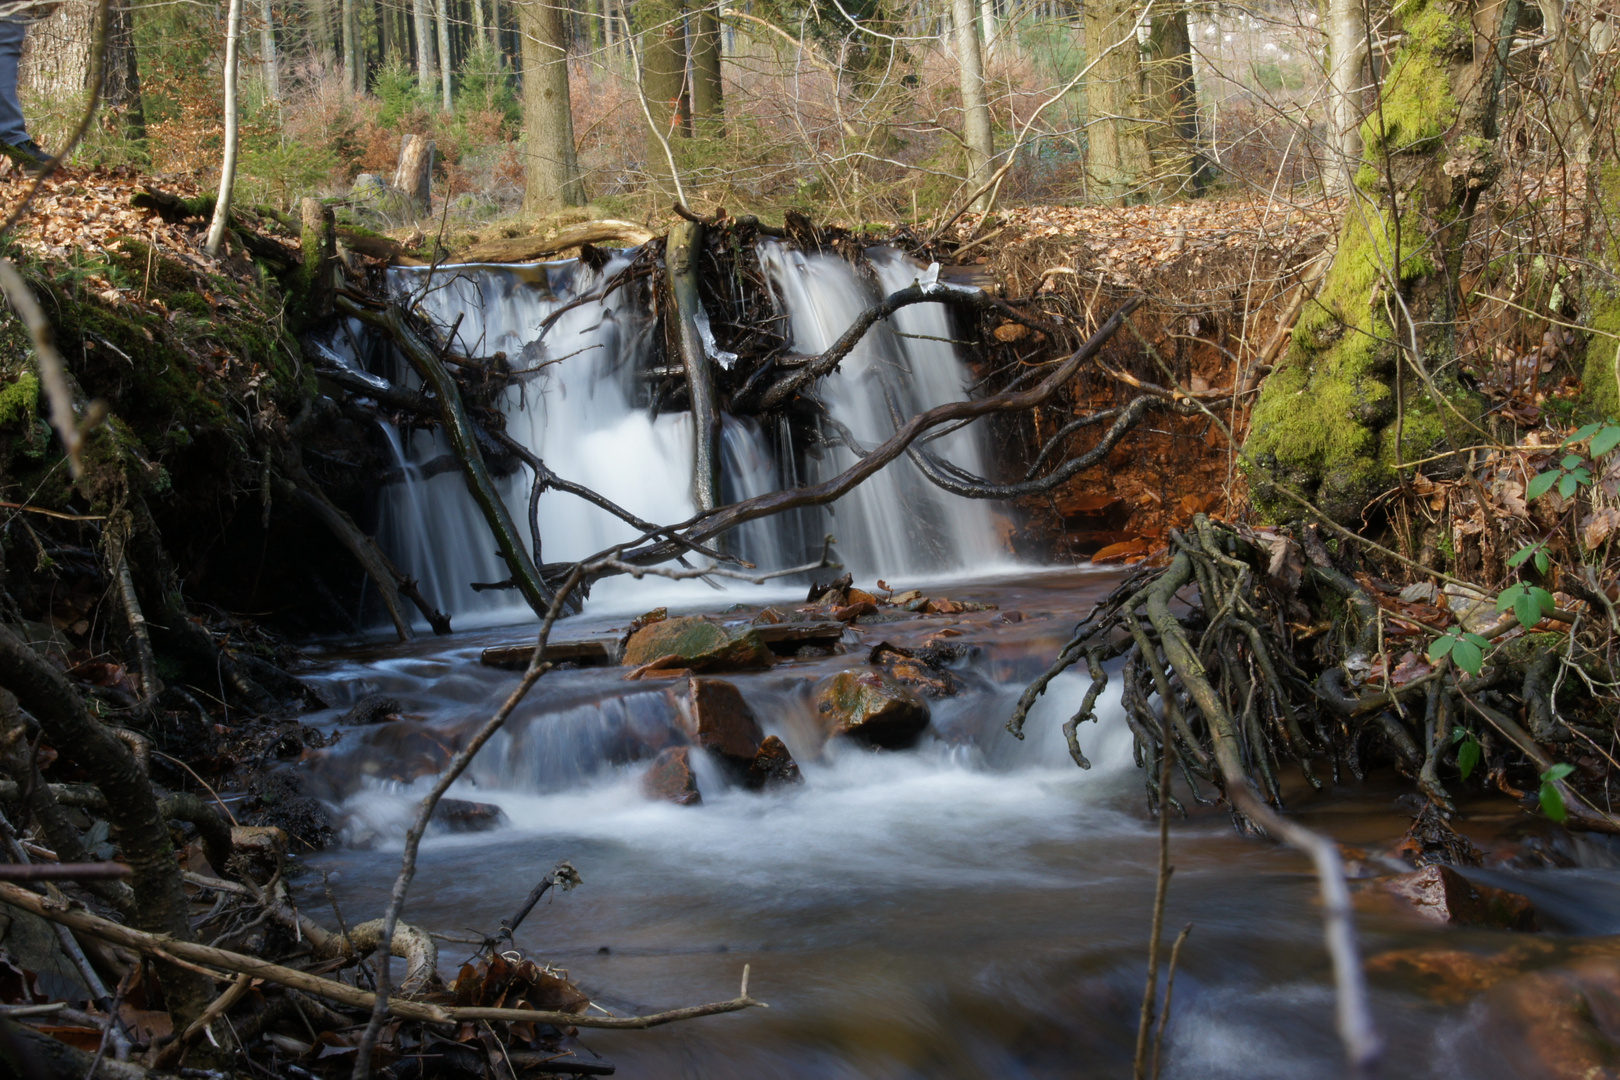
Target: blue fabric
<point x="13" y="129"/>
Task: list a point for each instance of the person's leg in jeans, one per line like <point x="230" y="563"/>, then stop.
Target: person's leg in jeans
<point x="13" y="129"/>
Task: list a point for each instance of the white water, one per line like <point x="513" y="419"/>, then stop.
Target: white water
<point x="585" y="411"/>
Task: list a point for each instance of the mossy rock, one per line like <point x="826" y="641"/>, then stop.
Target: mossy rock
<point x="701" y="645"/>
<point x="872" y="708"/>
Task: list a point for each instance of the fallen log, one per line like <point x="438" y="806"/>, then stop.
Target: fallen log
<point x="520" y="249"/>
<point x="608" y="648"/>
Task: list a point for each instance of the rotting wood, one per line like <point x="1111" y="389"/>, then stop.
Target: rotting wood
<point x="608" y="648"/>
<point x="520" y="249"/>
<point x="414" y="173"/>
<point x="680" y="257"/>
<point x="464" y="441"/>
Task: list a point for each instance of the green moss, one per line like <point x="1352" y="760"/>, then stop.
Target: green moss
<point x="19" y="400"/>
<point x="1416" y="106"/>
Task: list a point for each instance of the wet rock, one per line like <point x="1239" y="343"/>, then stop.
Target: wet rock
<point x="871" y="707"/>
<point x="1452" y="976"/>
<point x="1442" y="894"/>
<point x="1559" y="1024"/>
<point x="717" y="718"/>
<point x="281" y="800"/>
<point x="921" y="669"/>
<point x="833" y="594"/>
<point x="462" y="815"/>
<point x="1431" y="841"/>
<point x="671" y="778"/>
<point x="851" y="612"/>
<point x="773" y="766"/>
<point x="698" y="644"/>
<point x="372" y="709"/>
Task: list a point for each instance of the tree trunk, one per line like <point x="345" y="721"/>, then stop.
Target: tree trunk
<point x="427" y="74"/>
<point x="479" y="32"/>
<point x="58" y="59"/>
<point x="352" y="68"/>
<point x="414" y="173"/>
<point x="1173" y="104"/>
<point x="1364" y="387"/>
<point x="227" y="171"/>
<point x="268" y="60"/>
<point x="708" y="100"/>
<point x="551" y="176"/>
<point x="975" y="108"/>
<point x="989" y="25"/>
<point x="663" y="72"/>
<point x="1119" y="160"/>
<point x="1571" y="65"/>
<point x="1347" y="75"/>
<point x="443" y="25"/>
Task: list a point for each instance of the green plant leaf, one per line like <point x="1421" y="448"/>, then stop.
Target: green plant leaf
<point x="1468" y="756"/>
<point x="1518" y="558"/>
<point x="1552" y="803"/>
<point x="1526" y="610"/>
<point x="1567" y="484"/>
<point x="1544" y="598"/>
<point x="1459" y="733"/>
<point x="1570" y="461"/>
<point x="1542" y="562"/>
<point x="1541" y="484"/>
<point x="1557" y="772"/>
<point x="1508" y="597"/>
<point x="1605" y="440"/>
<point x="1476" y="640"/>
<point x="1467" y="656"/>
<point x="1584" y="432"/>
<point x="1440" y="647"/>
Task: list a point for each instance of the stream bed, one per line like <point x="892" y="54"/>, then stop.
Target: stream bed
<point x="972" y="907"/>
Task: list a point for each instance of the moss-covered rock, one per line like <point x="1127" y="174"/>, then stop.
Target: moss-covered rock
<point x="701" y="645"/>
<point x="871" y="707"/>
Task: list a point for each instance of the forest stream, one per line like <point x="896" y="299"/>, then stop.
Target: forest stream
<point x="973" y="906"/>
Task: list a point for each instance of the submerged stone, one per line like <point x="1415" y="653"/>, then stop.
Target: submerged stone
<point x="462" y="815"/>
<point x="699" y="644"/>
<point x="872" y="708"/>
<point x="671" y="778"/>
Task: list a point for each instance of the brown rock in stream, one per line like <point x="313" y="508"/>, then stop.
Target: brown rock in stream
<point x="773" y="766"/>
<point x="717" y="718"/>
<point x="699" y="644"/>
<point x="1442" y="894"/>
<point x="871" y="707"/>
<point x="1559" y="1024"/>
<point x="671" y="778"/>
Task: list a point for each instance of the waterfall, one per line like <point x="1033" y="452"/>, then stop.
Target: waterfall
<point x="583" y="406"/>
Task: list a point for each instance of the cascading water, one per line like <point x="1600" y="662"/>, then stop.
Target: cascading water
<point x="582" y="409"/>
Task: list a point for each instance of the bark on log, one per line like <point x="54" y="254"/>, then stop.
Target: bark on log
<point x="414" y="174"/>
<point x="320" y="252"/>
<point x="519" y="249"/>
<point x="137" y="828"/>
<point x="680" y="255"/>
<point x="464" y="440"/>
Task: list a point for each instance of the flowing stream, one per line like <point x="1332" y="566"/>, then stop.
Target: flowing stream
<point x="975" y="906"/>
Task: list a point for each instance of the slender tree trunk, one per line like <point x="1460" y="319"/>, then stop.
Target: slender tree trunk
<point x="1119" y="161"/>
<point x="321" y="29"/>
<point x="427" y="73"/>
<point x="443" y="22"/>
<point x="989" y="25"/>
<point x="227" y="172"/>
<point x="267" y="53"/>
<point x="551" y="177"/>
<point x="479" y="33"/>
<point x="1347" y="78"/>
<point x="708" y="100"/>
<point x="1360" y="391"/>
<point x="352" y="67"/>
<point x="976" y="131"/>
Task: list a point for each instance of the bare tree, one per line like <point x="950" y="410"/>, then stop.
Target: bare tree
<point x="976" y="130"/>
<point x="227" y="172"/>
<point x="427" y="72"/>
<point x="268" y="60"/>
<point x="1120" y="161"/>
<point x="1347" y="78"/>
<point x="443" y="25"/>
<point x="708" y="97"/>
